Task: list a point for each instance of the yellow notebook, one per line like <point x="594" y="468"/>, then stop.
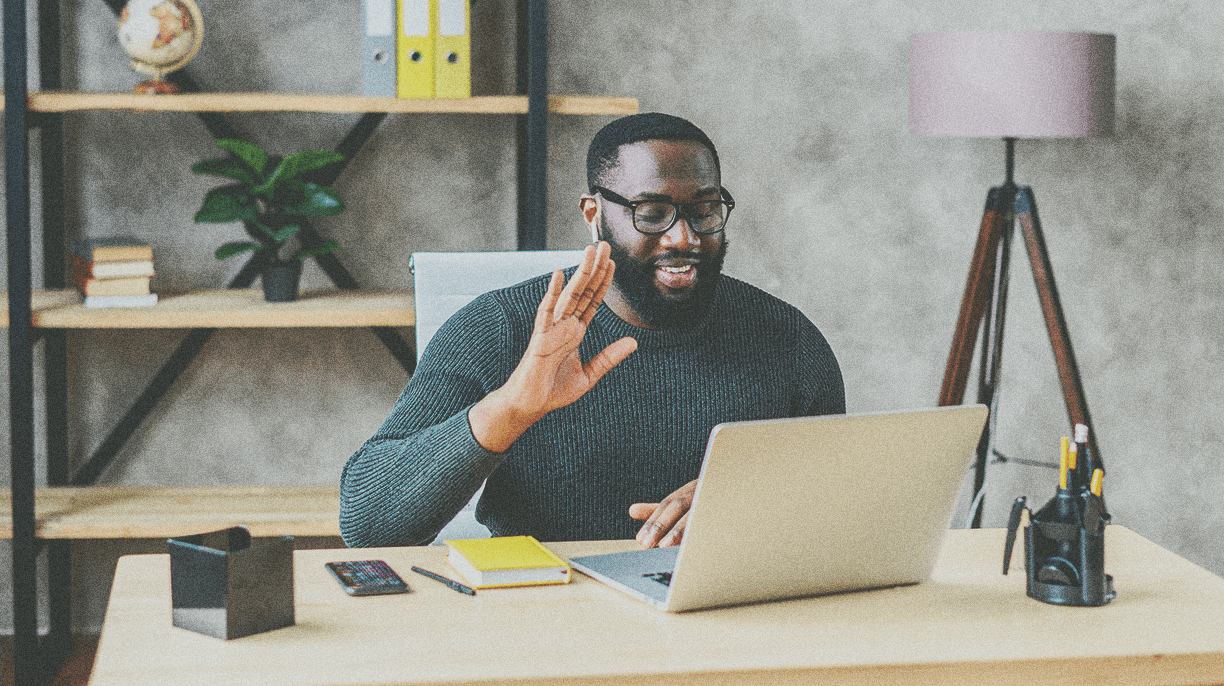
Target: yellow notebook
<point x="506" y="561"/>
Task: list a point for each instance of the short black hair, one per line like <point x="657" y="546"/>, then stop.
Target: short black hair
<point x="646" y="126"/>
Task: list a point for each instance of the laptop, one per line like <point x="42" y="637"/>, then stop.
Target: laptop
<point x="786" y="508"/>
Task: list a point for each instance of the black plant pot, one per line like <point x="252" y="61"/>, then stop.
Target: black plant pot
<point x="280" y="281"/>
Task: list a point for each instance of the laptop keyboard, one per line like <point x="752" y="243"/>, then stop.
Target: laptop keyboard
<point x="660" y="577"/>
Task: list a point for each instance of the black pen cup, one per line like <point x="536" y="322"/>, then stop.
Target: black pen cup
<point x="223" y="586"/>
<point x="1064" y="551"/>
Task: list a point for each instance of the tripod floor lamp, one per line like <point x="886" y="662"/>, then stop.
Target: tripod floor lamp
<point x="1009" y="85"/>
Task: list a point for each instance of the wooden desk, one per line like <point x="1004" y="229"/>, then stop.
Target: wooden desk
<point x="968" y="625"/>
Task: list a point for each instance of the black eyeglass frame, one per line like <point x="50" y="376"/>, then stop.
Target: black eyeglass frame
<point x="680" y="209"/>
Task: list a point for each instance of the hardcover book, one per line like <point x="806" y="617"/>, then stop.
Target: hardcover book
<point x="506" y="561"/>
<point x="107" y="301"/>
<point x="112" y="249"/>
<point x="134" y="285"/>
<point x="86" y="269"/>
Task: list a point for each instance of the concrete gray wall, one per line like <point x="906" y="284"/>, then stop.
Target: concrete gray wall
<point x="867" y="229"/>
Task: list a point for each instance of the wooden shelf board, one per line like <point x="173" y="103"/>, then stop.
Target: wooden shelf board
<point x="41" y="300"/>
<point x="233" y="308"/>
<point x="65" y="101"/>
<point x="166" y="511"/>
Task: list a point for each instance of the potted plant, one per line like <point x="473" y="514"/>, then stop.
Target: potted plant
<point x="270" y="196"/>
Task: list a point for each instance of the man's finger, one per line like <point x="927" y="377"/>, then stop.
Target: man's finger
<point x="549" y="303"/>
<point x="590" y="291"/>
<point x="676" y="534"/>
<point x="661" y="522"/>
<point x="640" y="511"/>
<point x="602" y="290"/>
<point x="578" y="283"/>
<point x="611" y="356"/>
<point x="583" y="299"/>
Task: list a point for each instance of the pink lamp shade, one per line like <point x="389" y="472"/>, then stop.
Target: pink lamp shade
<point x="1012" y="84"/>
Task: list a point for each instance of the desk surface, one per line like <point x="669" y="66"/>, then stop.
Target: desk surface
<point x="969" y="624"/>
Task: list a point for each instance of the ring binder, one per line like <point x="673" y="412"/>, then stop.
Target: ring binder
<point x="378" y="75"/>
<point x="414" y="47"/>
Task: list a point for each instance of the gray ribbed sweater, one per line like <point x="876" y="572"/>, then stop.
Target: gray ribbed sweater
<point x="638" y="435"/>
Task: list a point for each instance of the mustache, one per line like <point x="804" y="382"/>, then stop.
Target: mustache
<point x="679" y="255"/>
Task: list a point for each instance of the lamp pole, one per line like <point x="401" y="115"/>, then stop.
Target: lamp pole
<point x="1003" y="227"/>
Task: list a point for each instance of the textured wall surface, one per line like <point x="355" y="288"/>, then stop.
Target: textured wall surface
<point x="867" y="229"/>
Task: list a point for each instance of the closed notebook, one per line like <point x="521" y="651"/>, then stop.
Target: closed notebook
<point x="86" y="269"/>
<point x="108" y="301"/>
<point x="506" y="561"/>
<point x="135" y="285"/>
<point x="111" y="249"/>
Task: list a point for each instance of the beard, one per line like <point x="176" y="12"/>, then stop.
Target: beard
<point x="635" y="278"/>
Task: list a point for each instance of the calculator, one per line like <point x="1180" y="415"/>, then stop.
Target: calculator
<point x="367" y="577"/>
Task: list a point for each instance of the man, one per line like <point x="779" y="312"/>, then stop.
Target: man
<point x="587" y="403"/>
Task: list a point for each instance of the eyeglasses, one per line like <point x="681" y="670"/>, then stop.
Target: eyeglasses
<point x="653" y="217"/>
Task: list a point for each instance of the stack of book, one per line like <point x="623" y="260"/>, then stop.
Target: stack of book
<point x="113" y="271"/>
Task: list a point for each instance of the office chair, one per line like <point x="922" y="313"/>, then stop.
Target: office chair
<point x="443" y="283"/>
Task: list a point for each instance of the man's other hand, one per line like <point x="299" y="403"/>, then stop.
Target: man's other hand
<point x="666" y="520"/>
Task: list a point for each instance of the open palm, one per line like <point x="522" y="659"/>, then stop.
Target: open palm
<point x="551" y="373"/>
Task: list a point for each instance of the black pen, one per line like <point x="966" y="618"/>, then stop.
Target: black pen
<point x="453" y="584"/>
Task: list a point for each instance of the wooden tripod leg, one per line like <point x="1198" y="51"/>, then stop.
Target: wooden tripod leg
<point x="978" y="290"/>
<point x="1060" y="339"/>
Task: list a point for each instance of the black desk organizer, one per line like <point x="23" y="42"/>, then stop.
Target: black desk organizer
<point x="223" y="587"/>
<point x="1064" y="549"/>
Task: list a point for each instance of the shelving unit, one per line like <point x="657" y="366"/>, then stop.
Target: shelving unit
<point x="47" y="519"/>
<point x="61" y="101"/>
<point x="227" y="309"/>
<point x="68" y="513"/>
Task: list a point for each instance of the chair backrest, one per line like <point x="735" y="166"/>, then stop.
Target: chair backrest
<point x="446" y="281"/>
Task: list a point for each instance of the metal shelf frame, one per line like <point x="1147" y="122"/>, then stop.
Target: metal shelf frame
<point x="37" y="659"/>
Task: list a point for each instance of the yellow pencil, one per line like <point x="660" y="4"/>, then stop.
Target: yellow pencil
<point x="1064" y="457"/>
<point x="1098" y="477"/>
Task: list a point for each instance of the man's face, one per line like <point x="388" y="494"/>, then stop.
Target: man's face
<point x="667" y="279"/>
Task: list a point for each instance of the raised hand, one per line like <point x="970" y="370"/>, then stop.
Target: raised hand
<point x="551" y="373"/>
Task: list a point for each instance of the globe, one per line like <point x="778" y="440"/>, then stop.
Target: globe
<point x="161" y="36"/>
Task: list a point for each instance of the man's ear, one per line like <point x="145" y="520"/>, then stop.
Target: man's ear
<point x="589" y="205"/>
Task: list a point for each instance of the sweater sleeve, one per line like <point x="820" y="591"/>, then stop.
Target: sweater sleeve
<point x="423" y="464"/>
<point x="822" y="390"/>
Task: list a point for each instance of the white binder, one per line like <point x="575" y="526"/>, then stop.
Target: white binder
<point x="378" y="48"/>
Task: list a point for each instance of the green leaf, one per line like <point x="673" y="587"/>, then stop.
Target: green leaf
<point x="258" y="231"/>
<point x="326" y="247"/>
<point x="299" y="163"/>
<point x="227" y="204"/>
<point x="308" y="160"/>
<point x="285" y="233"/>
<point x="230" y="249"/>
<point x="319" y="201"/>
<point x="227" y="167"/>
<point x="250" y="153"/>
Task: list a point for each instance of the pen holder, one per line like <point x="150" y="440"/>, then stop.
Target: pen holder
<point x="1064" y="550"/>
<point x="222" y="586"/>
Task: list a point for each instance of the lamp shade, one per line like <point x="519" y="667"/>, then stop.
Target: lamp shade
<point x="1012" y="84"/>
